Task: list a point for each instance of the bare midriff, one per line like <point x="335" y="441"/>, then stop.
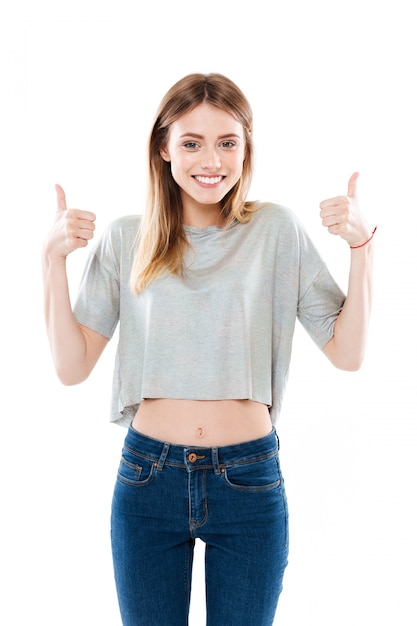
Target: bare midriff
<point x="202" y="422"/>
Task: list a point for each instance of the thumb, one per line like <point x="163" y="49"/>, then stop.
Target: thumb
<point x="353" y="186"/>
<point x="61" y="203"/>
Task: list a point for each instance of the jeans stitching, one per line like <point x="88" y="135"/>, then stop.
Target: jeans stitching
<point x="255" y="459"/>
<point x="135" y="482"/>
<point x="253" y="488"/>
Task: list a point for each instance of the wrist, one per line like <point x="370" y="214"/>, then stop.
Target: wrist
<point x="51" y="259"/>
<point x="364" y="243"/>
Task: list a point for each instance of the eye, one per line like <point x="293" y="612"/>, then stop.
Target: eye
<point x="228" y="144"/>
<point x="191" y="145"/>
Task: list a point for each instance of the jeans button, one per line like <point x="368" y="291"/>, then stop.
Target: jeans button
<point x="192" y="457"/>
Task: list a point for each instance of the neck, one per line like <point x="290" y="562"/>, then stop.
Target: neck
<point x="202" y="216"/>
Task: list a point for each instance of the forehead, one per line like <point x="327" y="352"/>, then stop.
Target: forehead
<point x="206" y="119"/>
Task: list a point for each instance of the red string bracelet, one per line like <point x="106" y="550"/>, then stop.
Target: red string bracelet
<point x="365" y="242"/>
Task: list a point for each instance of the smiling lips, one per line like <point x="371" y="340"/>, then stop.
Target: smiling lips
<point x="209" y="180"/>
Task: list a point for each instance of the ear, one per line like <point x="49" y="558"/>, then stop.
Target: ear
<point x="165" y="154"/>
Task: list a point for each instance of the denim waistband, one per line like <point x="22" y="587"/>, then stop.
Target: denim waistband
<point x="193" y="457"/>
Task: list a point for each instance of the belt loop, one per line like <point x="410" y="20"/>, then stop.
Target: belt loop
<point x="163" y="456"/>
<point x="215" y="458"/>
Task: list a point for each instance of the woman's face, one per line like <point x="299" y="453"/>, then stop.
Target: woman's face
<point x="206" y="149"/>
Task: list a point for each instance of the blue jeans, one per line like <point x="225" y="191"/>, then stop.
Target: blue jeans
<point x="232" y="498"/>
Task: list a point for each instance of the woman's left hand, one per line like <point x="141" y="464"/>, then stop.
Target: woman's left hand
<point x="343" y="216"/>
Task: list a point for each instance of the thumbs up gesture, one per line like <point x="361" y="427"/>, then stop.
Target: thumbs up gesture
<point x="343" y="216"/>
<point x="71" y="229"/>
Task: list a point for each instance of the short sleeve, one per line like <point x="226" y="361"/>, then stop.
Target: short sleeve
<point x="97" y="305"/>
<point x="319" y="307"/>
<point x="320" y="298"/>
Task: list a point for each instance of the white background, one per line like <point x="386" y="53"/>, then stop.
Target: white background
<point x="333" y="89"/>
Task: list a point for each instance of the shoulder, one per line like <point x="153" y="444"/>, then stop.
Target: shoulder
<point x="276" y="218"/>
<point x="117" y="240"/>
<point x="125" y="226"/>
<point x="121" y="231"/>
<point x="278" y="222"/>
<point x="271" y="210"/>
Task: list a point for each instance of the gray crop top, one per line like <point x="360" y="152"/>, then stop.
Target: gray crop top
<point x="222" y="331"/>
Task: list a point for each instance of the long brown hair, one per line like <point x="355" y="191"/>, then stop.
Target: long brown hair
<point x="161" y="241"/>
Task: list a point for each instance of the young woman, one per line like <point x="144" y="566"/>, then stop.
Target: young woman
<point x="205" y="288"/>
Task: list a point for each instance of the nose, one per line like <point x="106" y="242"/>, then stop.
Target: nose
<point x="210" y="160"/>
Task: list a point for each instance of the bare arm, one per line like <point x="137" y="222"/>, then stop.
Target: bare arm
<point x="75" y="349"/>
<point x="343" y="216"/>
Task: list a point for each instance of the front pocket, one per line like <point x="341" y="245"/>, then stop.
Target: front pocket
<point x="261" y="475"/>
<point x="135" y="470"/>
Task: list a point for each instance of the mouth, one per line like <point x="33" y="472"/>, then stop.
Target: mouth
<point x="209" y="180"/>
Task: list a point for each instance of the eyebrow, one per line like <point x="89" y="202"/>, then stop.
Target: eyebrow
<point x="197" y="136"/>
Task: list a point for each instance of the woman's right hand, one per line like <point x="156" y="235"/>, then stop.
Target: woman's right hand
<point x="71" y="229"/>
<point x="75" y="348"/>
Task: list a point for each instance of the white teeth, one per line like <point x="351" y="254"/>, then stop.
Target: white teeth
<point x="209" y="181"/>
